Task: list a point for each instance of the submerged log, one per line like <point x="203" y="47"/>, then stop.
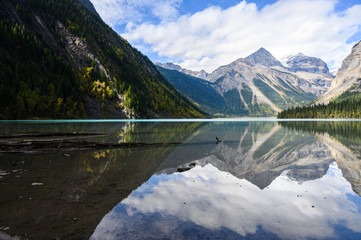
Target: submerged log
<point x="11" y="145"/>
<point x="49" y="134"/>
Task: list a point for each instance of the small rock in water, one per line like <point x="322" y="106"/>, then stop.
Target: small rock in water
<point x="183" y="169"/>
<point x="37" y="184"/>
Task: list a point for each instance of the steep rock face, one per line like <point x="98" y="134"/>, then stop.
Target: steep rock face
<point x="303" y="63"/>
<point x="319" y="83"/>
<point x="171" y="66"/>
<point x="263" y="58"/>
<point x="76" y="48"/>
<point x="312" y="69"/>
<point x="346" y="77"/>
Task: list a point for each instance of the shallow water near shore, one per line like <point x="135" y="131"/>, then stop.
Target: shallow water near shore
<point x="265" y="179"/>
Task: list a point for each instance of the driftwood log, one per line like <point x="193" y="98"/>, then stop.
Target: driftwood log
<point x="14" y="144"/>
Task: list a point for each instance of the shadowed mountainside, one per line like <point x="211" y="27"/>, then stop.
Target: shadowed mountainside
<point x="60" y="60"/>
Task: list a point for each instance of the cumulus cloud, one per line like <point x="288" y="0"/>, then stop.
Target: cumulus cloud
<point x="118" y="12"/>
<point x="216" y="36"/>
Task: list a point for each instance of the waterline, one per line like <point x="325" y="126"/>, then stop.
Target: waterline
<point x="188" y="120"/>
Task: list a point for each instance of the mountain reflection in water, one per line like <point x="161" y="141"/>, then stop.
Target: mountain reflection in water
<point x="265" y="180"/>
<point x="204" y="199"/>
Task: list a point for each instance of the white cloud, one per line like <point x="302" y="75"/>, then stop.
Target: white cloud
<point x="117" y="12"/>
<point x="215" y="36"/>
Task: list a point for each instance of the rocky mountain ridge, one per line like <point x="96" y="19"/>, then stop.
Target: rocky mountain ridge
<point x="308" y="79"/>
<point x="347" y="80"/>
<point x="301" y="62"/>
<point x="171" y="66"/>
<point x="263" y="58"/>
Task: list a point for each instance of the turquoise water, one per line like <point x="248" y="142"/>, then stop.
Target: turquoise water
<point x="266" y="179"/>
<point x="185" y="120"/>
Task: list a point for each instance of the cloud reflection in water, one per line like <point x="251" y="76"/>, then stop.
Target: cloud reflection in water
<point x="211" y="202"/>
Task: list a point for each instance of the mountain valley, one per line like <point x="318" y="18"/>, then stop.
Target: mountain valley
<point x="60" y="60"/>
<point x="259" y="85"/>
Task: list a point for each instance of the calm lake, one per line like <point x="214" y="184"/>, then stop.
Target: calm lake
<point x="265" y="179"/>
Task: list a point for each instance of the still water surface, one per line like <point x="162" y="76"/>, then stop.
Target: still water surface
<point x="265" y="180"/>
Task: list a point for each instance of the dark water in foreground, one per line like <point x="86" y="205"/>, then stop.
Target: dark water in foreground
<point x="265" y="180"/>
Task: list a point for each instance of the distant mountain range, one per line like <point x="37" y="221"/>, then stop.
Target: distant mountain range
<point x="170" y="66"/>
<point x="258" y="85"/>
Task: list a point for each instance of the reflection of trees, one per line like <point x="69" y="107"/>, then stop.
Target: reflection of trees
<point x="348" y="132"/>
<point x="343" y="138"/>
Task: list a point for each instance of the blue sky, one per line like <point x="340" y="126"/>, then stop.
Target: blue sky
<point x="200" y="34"/>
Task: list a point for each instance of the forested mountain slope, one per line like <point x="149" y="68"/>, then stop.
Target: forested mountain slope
<point x="58" y="59"/>
<point x="200" y="91"/>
